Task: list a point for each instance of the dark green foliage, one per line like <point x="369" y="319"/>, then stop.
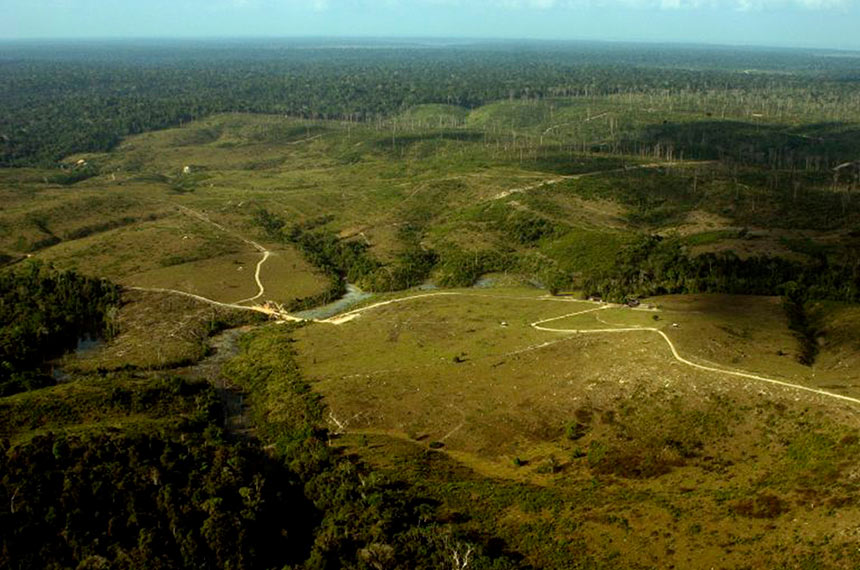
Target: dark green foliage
<point x="348" y="261"/>
<point x="145" y="501"/>
<point x="461" y="268"/>
<point x="526" y="228"/>
<point x="58" y="100"/>
<point x="270" y="223"/>
<point x="178" y="495"/>
<point x="657" y="266"/>
<point x="794" y="302"/>
<point x="364" y="517"/>
<point x="559" y="160"/>
<point x="396" y="144"/>
<point x="754" y="143"/>
<point x="751" y="196"/>
<point x="43" y="314"/>
<point x="118" y="395"/>
<point x="75" y="175"/>
<point x="43" y="243"/>
<point x="85" y="231"/>
<point x="409" y="269"/>
<point x="522" y="227"/>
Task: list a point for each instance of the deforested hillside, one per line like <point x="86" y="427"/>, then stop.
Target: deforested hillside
<point x="487" y="305"/>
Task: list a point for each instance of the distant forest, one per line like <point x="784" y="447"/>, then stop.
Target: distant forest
<point x="59" y="99"/>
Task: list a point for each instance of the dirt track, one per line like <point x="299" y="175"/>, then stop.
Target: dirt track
<point x="343" y="318"/>
<point x="538" y="325"/>
<point x="553" y="181"/>
<point x="261" y="290"/>
<point x="683" y="360"/>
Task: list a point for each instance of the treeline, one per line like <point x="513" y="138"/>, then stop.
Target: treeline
<point x="658" y="266"/>
<point x="816" y="147"/>
<point x="156" y="494"/>
<point x="45" y="313"/>
<point x="364" y="522"/>
<point x="55" y="101"/>
<point x="161" y="488"/>
<point x="802" y="322"/>
<point x="347" y="261"/>
<point x="112" y="398"/>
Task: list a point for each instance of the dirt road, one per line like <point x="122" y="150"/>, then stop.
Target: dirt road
<point x="553" y="181"/>
<point x="676" y="355"/>
<point x="261" y="290"/>
<point x="539" y="325"/>
<point x="343" y="318"/>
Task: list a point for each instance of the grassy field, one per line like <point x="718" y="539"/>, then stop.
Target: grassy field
<point x="456" y="180"/>
<point x="598" y="450"/>
<point x="590" y="450"/>
<point x="157" y="331"/>
<point x="423" y="365"/>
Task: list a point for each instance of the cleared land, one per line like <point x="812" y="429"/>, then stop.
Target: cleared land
<point x="603" y="442"/>
<point x="575" y="449"/>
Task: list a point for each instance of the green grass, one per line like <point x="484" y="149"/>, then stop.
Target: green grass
<point x="709" y="237"/>
<point x="375" y="178"/>
<point x="117" y="400"/>
<point x="583" y="251"/>
<point x="598" y="450"/>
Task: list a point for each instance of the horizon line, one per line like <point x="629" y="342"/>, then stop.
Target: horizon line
<point x="408" y="38"/>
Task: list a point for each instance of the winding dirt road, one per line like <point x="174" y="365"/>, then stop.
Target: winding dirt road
<point x="281" y="315"/>
<point x="261" y="290"/>
<point x="620" y="329"/>
<point x="266" y="309"/>
<point x="539" y="325"/>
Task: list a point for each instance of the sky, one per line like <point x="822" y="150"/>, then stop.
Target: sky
<point x="790" y="23"/>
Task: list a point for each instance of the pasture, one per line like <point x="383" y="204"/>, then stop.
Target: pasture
<point x="530" y="417"/>
<point x="594" y="447"/>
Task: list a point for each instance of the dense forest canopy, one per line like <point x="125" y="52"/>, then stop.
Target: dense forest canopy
<point x="57" y="99"/>
<point x="44" y="313"/>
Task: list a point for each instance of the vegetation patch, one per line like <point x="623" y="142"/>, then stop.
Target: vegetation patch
<point x="45" y="313"/>
<point x="657" y="266"/>
<point x="764" y="506"/>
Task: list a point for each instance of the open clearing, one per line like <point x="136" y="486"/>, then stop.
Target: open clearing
<point x="602" y="441"/>
<point x="465" y="354"/>
<point x="595" y="446"/>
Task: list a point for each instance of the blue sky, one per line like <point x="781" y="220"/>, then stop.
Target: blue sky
<point x="805" y="23"/>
